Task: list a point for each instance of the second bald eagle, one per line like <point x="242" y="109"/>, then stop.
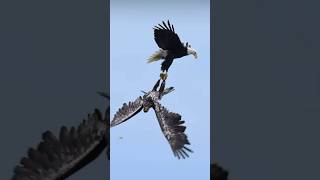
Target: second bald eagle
<point x="170" y="47"/>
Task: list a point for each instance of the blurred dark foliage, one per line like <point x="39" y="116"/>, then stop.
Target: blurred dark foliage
<point x="218" y="173"/>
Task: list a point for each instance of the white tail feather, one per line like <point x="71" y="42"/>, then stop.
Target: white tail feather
<point x="155" y="56"/>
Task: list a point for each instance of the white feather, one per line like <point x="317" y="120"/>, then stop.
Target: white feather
<point x="160" y="54"/>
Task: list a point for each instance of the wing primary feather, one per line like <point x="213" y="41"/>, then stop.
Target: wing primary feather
<point x="169" y="25"/>
<point x="31" y="165"/>
<point x="161" y="26"/>
<point x="181" y="154"/>
<point x="179" y="157"/>
<point x="165" y="25"/>
<point x="188" y="149"/>
<point x="184" y="152"/>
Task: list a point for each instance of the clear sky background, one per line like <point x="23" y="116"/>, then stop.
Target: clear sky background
<point x="143" y="153"/>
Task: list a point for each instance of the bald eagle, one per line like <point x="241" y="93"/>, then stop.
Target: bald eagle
<point x="170" y="123"/>
<point x="57" y="158"/>
<point x="170" y="47"/>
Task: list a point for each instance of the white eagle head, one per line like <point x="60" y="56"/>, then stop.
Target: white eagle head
<point x="191" y="51"/>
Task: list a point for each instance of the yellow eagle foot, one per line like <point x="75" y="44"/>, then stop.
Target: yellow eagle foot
<point x="164" y="76"/>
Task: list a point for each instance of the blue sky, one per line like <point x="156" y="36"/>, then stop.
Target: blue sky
<point x="143" y="152"/>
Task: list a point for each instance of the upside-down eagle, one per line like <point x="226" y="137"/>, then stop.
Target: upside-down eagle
<point x="57" y="158"/>
<point x="170" y="123"/>
<point x="170" y="47"/>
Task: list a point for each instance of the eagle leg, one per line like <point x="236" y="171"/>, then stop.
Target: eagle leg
<point x="156" y="85"/>
<point x="161" y="89"/>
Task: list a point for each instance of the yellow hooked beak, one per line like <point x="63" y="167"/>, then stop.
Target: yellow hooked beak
<point x="195" y="55"/>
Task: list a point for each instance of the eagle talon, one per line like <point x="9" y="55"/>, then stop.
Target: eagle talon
<point x="164" y="76"/>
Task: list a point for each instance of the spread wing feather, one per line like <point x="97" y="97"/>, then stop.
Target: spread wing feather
<point x="166" y="38"/>
<point x="127" y="111"/>
<point x="173" y="130"/>
<point x="167" y="91"/>
<point x="56" y="158"/>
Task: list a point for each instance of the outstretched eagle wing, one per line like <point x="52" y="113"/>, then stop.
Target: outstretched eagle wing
<point x="58" y="158"/>
<point x="166" y="38"/>
<point x="173" y="130"/>
<point x="127" y="111"/>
